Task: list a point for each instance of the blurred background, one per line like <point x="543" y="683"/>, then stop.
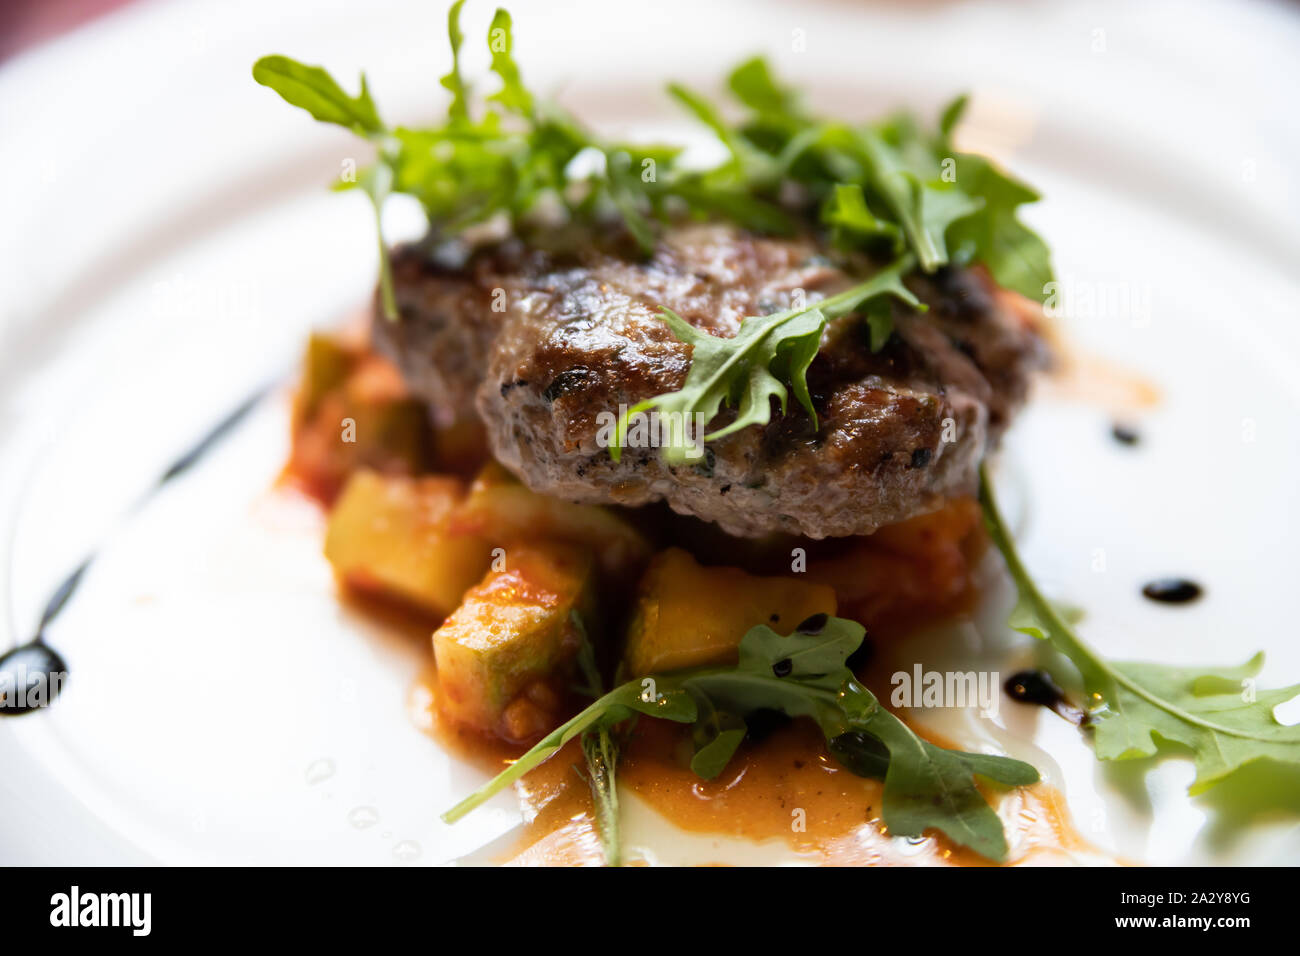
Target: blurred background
<point x="25" y="23"/>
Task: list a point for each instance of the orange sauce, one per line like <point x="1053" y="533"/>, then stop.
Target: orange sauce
<point x="1096" y="381"/>
<point x="1080" y="376"/>
<point x="786" y="787"/>
<point x="555" y="798"/>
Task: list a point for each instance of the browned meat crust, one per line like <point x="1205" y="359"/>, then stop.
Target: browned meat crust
<point x="538" y="344"/>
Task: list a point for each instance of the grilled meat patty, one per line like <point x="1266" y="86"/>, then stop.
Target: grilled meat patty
<point x="538" y="343"/>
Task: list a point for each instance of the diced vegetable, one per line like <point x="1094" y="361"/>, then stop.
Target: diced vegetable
<point x="908" y="572"/>
<point x="352" y="411"/>
<point x="325" y="367"/>
<point x="391" y="535"/>
<point x="500" y="508"/>
<point x="688" y="615"/>
<point x="502" y="652"/>
<point x="460" y="448"/>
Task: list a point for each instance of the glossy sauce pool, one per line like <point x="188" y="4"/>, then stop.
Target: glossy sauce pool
<point x="757" y="798"/>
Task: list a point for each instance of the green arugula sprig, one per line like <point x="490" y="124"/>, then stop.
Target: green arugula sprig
<point x="600" y="749"/>
<point x="803" y="675"/>
<point x="601" y="753"/>
<point x="749" y="370"/>
<point x="607" y="711"/>
<point x="501" y="156"/>
<point x="882" y="187"/>
<point x="1134" y="708"/>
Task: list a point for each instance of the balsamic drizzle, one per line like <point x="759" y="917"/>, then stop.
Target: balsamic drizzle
<point x="213" y="437"/>
<point x="59" y="599"/>
<point x="33" y="673"/>
<point x="1124" y="434"/>
<point x="1037" y="687"/>
<point x="1172" y="590"/>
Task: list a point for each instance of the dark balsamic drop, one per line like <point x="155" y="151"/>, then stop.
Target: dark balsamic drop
<point x="1037" y="687"/>
<point x="1125" y="434"/>
<point x="1173" y="591"/>
<point x="1034" y="687"/>
<point x="813" y="625"/>
<point x="859" y="659"/>
<point x="31" y="676"/>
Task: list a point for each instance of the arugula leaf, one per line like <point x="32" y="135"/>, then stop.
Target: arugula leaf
<point x="878" y="186"/>
<point x="907" y="176"/>
<point x="880" y="323"/>
<point x="753" y="85"/>
<point x="750" y="164"/>
<point x="951" y="116"/>
<point x="453" y="82"/>
<point x="467" y="170"/>
<point x="377" y="183"/>
<point x="716" y="734"/>
<point x="751" y="368"/>
<point x="805" y="675"/>
<point x="601" y="752"/>
<point x="613" y="708"/>
<point x="312" y="88"/>
<point x="1135" y="707"/>
<point x="707" y="197"/>
<point x="513" y="95"/>
<point x="1016" y="255"/>
<point x="927" y="786"/>
<point x="592" y="685"/>
<point x="623" y="193"/>
<point x="846" y="210"/>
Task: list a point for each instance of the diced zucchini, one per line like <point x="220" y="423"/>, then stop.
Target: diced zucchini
<point x="500" y="653"/>
<point x="501" y="509"/>
<point x="325" y="367"/>
<point x="343" y="436"/>
<point x="352" y="411"/>
<point x="688" y="615"/>
<point x="391" y="535"/>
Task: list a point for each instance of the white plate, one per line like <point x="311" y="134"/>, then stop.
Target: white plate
<point x="168" y="243"/>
